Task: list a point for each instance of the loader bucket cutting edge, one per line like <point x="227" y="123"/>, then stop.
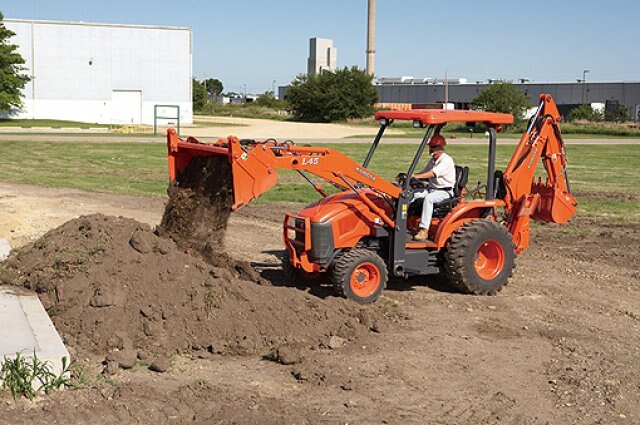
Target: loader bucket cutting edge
<point x="251" y="177"/>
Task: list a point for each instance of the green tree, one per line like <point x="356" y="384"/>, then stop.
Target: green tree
<point x="12" y="80"/>
<point x="199" y="95"/>
<point x="267" y="99"/>
<point x="332" y="96"/>
<point x="585" y="112"/>
<point x="503" y="97"/>
<point x="618" y="113"/>
<point x="214" y="86"/>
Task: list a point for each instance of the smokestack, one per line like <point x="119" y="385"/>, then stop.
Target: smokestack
<point x="371" y="29"/>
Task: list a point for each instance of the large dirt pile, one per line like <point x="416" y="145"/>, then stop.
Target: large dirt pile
<point x="112" y="282"/>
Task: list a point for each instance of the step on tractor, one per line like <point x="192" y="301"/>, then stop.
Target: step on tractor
<point x="361" y="236"/>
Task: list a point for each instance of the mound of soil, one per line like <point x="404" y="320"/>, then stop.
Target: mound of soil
<point x="111" y="283"/>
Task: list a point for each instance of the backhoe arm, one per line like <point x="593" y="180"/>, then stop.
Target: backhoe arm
<point x="254" y="167"/>
<point x="527" y="198"/>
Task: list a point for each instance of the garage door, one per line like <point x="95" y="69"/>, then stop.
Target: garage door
<point x="126" y="106"/>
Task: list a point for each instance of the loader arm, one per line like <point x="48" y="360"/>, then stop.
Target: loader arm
<point x="254" y="167"/>
<point x="527" y="198"/>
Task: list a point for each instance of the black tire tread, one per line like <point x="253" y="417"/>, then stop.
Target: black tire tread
<point x="457" y="251"/>
<point x="339" y="271"/>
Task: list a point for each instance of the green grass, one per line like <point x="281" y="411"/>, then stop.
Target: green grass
<point x="80" y="135"/>
<point x="125" y="168"/>
<point x="27" y="123"/>
<point x="569" y="130"/>
<point x="26" y="377"/>
<point x="249" y="110"/>
<point x="141" y="169"/>
<point x="410" y="134"/>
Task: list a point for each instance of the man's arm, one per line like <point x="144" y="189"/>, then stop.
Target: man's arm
<point x="425" y="175"/>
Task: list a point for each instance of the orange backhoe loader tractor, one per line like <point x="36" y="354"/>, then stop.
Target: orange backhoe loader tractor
<point x="361" y="236"/>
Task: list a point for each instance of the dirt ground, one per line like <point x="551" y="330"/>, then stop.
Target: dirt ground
<point x="559" y="345"/>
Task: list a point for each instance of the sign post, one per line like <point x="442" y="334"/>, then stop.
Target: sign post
<point x="165" y="115"/>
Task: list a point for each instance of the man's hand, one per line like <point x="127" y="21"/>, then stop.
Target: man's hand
<point x="400" y="177"/>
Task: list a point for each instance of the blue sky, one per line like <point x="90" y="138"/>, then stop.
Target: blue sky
<point x="255" y="42"/>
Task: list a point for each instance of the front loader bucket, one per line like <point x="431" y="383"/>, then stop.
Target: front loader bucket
<point x="251" y="175"/>
<point x="555" y="205"/>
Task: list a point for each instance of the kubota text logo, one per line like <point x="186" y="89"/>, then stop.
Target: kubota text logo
<point x="365" y="173"/>
<point x="533" y="157"/>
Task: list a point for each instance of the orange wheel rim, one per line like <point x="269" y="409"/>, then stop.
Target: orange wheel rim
<point x="365" y="279"/>
<point x="489" y="260"/>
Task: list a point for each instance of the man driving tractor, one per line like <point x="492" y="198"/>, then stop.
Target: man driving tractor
<point x="441" y="175"/>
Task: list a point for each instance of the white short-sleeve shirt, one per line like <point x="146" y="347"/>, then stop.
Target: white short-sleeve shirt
<point x="444" y="170"/>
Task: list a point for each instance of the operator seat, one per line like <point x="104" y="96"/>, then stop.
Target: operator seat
<point x="442" y="208"/>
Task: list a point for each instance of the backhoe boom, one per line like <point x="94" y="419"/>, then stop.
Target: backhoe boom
<point x="527" y="198"/>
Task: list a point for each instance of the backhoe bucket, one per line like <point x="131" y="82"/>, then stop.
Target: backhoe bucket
<point x="555" y="205"/>
<point x="251" y="175"/>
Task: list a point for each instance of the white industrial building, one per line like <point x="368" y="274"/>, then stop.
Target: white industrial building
<point x="322" y="56"/>
<point x="104" y="73"/>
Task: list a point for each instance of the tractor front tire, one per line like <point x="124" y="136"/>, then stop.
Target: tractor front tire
<point x="360" y="275"/>
<point x="480" y="257"/>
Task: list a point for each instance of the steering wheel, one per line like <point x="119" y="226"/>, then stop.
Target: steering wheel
<point x="413" y="182"/>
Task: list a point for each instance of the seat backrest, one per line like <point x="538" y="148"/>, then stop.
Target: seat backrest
<point x="462" y="176"/>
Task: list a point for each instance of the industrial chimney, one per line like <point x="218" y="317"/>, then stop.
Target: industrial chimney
<point x="371" y="29"/>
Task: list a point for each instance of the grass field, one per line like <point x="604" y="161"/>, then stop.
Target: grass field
<point x="605" y="178"/>
<point x="569" y="130"/>
<point x="27" y="123"/>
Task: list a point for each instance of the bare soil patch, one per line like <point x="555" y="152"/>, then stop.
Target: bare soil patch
<point x="559" y="345"/>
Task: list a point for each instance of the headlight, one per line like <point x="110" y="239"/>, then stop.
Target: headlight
<point x="291" y="234"/>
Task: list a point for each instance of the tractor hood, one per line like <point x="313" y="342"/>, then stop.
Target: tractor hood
<point x="344" y="204"/>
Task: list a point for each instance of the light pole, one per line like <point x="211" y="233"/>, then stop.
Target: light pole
<point x="584" y="85"/>
<point x="273" y="87"/>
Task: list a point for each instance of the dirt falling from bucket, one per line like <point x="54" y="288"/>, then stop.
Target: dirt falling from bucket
<point x="199" y="207"/>
<point x="198" y="211"/>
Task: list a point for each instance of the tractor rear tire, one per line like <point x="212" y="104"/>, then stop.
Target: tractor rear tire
<point x="480" y="257"/>
<point x="360" y="275"/>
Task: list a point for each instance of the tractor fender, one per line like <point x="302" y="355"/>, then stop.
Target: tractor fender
<point x="463" y="213"/>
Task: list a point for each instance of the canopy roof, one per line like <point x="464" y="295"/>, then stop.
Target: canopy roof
<point x="440" y="116"/>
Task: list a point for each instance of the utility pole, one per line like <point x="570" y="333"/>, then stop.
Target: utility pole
<point x="371" y="29"/>
<point x="584" y="85"/>
<point x="446" y="89"/>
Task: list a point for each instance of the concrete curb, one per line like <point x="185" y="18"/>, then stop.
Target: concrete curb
<point x="26" y="327"/>
<point x="5" y="249"/>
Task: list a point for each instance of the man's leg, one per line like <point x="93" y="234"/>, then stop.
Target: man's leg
<point x="427" y="206"/>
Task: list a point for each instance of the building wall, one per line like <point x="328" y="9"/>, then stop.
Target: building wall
<point x="566" y="95"/>
<point x="322" y="56"/>
<point x="100" y="73"/>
